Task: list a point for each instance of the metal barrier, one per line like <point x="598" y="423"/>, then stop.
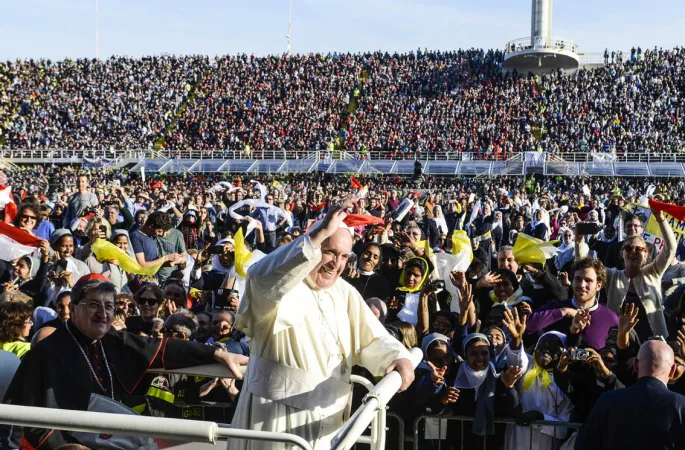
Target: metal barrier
<point x="152" y="427"/>
<point x="372" y="412"/>
<point x="76" y="156"/>
<point x="461" y="419"/>
<point x="376" y="399"/>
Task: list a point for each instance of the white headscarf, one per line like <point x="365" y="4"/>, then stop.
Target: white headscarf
<point x="560" y="235"/>
<point x="467" y="378"/>
<point x="440" y="221"/>
<point x="216" y="262"/>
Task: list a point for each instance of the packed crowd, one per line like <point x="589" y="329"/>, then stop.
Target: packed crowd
<point x="118" y="103"/>
<point x="544" y="338"/>
<point x="292" y="103"/>
<point x="400" y="104"/>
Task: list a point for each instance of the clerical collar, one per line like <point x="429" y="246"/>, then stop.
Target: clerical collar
<point x="591" y="308"/>
<point x="363" y="272"/>
<point x="80" y="337"/>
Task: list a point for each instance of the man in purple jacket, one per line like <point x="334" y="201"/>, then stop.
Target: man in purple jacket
<point x="581" y="317"/>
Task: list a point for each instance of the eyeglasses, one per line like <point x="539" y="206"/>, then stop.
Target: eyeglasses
<point x="28" y="322"/>
<point x="151" y="301"/>
<point x="27" y="217"/>
<point x="633" y="248"/>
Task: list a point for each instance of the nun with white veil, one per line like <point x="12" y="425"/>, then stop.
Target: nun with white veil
<point x="482" y="394"/>
<point x="539" y="395"/>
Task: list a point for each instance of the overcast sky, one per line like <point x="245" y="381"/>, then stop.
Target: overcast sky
<point x="56" y="29"/>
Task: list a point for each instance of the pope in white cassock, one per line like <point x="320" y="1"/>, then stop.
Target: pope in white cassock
<point x="307" y="328"/>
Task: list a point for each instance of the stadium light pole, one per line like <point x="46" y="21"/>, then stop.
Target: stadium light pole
<point x="290" y="24"/>
<point x="97" y="37"/>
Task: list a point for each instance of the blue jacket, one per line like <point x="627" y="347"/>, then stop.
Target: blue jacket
<point x="645" y="415"/>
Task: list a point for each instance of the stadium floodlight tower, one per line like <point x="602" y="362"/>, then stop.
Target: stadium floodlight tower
<point x="541" y="52"/>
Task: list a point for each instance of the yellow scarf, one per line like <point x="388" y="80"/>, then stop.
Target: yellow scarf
<point x="418" y="286"/>
<point x="534" y="373"/>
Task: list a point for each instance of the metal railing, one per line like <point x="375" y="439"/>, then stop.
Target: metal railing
<point x="17" y="155"/>
<point x="540" y="43"/>
<point x="127" y="425"/>
<point x="372" y="412"/>
<point x="468" y="420"/>
<point x="375" y="400"/>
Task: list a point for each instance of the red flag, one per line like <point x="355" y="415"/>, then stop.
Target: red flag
<point x="354" y="220"/>
<point x="15" y="243"/>
<point x="320" y="207"/>
<point x="7" y="201"/>
<point x="355" y="183"/>
<point x="673" y="210"/>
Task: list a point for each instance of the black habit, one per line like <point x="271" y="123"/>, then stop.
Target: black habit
<point x="55" y="374"/>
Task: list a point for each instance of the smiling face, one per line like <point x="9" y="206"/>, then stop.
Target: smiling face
<point x="227" y="257"/>
<point x="496" y="339"/>
<point x="548" y="351"/>
<point x="634" y="252"/>
<point x="65" y="247"/>
<point x="148" y="304"/>
<point x="633" y="227"/>
<point x="478" y="355"/>
<point x="505" y="260"/>
<point x="22" y="269"/>
<point x="334" y="254"/>
<point x="504" y="289"/>
<point x="94" y="314"/>
<point x="585" y="285"/>
<point x="121" y="241"/>
<point x="63" y="307"/>
<point x="369" y="259"/>
<point x="27" y="219"/>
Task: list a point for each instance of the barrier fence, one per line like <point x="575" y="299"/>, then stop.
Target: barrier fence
<point x="435" y="433"/>
<point x="77" y="155"/>
<point x="371" y="413"/>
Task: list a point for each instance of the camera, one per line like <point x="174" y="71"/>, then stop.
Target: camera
<point x="222" y="296"/>
<point x="438" y="285"/>
<point x="216" y="250"/>
<point x="579" y="354"/>
<point x="584" y="228"/>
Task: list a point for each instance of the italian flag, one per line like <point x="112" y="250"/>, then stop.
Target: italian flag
<point x="15" y="243"/>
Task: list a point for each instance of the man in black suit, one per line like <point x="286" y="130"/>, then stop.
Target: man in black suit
<point x="643" y="416"/>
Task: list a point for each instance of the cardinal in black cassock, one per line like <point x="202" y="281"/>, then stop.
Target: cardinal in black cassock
<point x="64" y="369"/>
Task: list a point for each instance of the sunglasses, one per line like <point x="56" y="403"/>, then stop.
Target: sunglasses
<point x="633" y="248"/>
<point x="151" y="301"/>
<point x="27" y="217"/>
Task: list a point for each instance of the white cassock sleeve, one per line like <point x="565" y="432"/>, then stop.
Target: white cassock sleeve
<point x="270" y="279"/>
<point x="374" y="348"/>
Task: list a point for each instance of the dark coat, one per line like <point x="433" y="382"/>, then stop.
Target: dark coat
<point x="645" y="415"/>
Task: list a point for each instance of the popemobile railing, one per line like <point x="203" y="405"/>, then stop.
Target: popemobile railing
<point x="371" y="412"/>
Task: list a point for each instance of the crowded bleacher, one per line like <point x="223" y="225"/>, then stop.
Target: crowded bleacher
<point x="524" y="277"/>
<point x="396" y="104"/>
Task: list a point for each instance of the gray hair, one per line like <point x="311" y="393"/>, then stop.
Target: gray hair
<point x="183" y="321"/>
<point x="82" y="288"/>
<point x="504" y="249"/>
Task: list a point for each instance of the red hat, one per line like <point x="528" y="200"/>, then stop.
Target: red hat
<point x="93" y="276"/>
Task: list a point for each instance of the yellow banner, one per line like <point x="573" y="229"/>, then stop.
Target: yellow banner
<point x="652" y="233"/>
<point x="106" y="251"/>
